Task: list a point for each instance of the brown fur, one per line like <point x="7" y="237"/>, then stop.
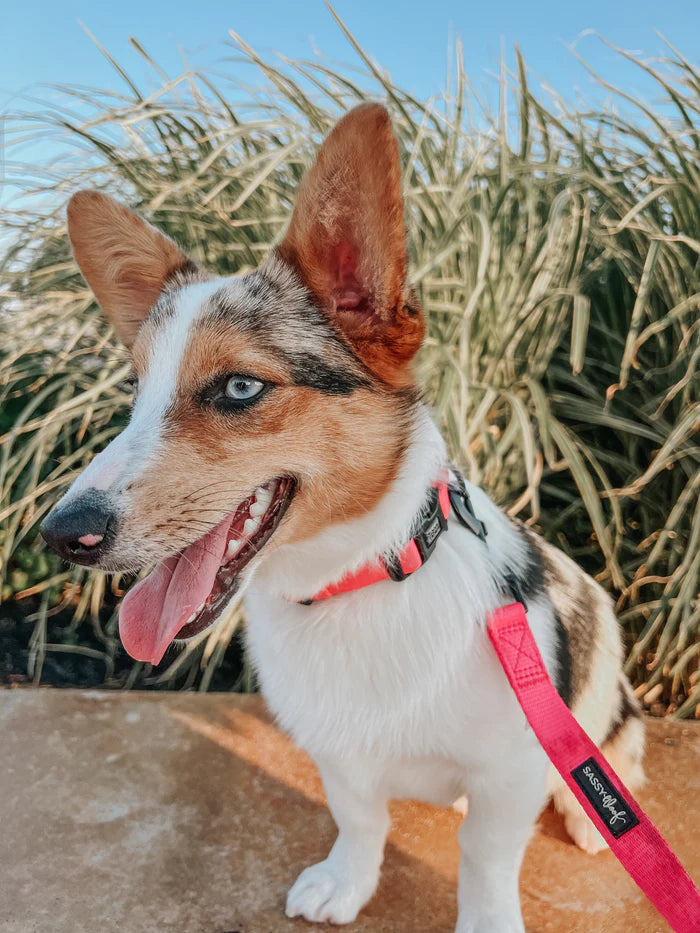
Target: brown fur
<point x="344" y="449"/>
<point x="125" y="260"/>
<point x="341" y="475"/>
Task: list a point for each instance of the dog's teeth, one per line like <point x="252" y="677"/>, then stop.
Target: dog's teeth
<point x="263" y="497"/>
<point x="250" y="526"/>
<point x="261" y="502"/>
<point x="233" y="548"/>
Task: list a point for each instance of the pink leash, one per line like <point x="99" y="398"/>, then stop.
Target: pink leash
<point x="631" y="835"/>
<point x="633" y="838"/>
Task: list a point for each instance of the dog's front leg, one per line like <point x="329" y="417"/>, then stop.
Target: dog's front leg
<point x="492" y="839"/>
<point x="333" y="891"/>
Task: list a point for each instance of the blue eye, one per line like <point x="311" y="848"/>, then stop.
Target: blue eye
<point x="231" y="393"/>
<point x="243" y="389"/>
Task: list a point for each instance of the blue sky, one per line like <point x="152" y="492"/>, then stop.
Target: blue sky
<point x="44" y="42"/>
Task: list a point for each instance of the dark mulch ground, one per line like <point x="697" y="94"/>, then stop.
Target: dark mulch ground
<point x="83" y="659"/>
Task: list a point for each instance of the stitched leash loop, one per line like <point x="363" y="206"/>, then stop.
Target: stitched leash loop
<point x="631" y="835"/>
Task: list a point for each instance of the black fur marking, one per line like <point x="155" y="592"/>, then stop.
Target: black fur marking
<point x="531" y="580"/>
<point x="280" y="316"/>
<point x="185" y="274"/>
<point x="626" y="711"/>
<point x="312" y="372"/>
<point x="253" y="316"/>
<point x="296" y="333"/>
<point x="530" y="577"/>
<point x="579" y="605"/>
<point x="189" y="271"/>
<point x="265" y="308"/>
<point x="261" y="286"/>
<point x="563" y="661"/>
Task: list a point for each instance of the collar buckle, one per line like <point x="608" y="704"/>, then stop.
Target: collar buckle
<point x="464" y="510"/>
<point x="425" y="538"/>
<point x="432" y="525"/>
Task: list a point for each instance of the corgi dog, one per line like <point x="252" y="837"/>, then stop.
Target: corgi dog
<point x="278" y="440"/>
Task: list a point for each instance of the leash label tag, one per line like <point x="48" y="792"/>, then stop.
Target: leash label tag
<point x="608" y="803"/>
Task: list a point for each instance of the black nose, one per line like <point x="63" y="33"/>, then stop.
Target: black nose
<point x="82" y="529"/>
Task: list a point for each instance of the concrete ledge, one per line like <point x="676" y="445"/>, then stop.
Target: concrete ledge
<point x="142" y="813"/>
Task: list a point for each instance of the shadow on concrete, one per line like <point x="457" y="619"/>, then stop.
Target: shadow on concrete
<point x="142" y="813"/>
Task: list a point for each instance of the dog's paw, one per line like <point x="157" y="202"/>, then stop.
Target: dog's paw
<point x="584" y="833"/>
<point x="488" y="922"/>
<point x="577" y="823"/>
<point x="318" y="895"/>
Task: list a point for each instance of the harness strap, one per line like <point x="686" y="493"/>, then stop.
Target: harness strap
<point x="629" y="832"/>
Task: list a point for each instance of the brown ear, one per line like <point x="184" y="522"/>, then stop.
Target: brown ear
<point x="347" y="239"/>
<point x="125" y="261"/>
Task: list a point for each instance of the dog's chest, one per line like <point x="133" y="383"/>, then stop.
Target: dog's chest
<point x="397" y="674"/>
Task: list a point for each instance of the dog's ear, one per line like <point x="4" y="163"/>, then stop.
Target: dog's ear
<point x="347" y="240"/>
<point x="125" y="260"/>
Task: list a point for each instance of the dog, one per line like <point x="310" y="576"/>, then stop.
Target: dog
<point x="278" y="440"/>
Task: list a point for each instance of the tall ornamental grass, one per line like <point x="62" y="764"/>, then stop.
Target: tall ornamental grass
<point x="557" y="255"/>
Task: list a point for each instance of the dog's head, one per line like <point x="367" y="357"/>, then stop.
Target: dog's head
<point x="267" y="406"/>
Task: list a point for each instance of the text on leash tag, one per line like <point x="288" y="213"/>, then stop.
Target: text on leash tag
<point x="613" y="810"/>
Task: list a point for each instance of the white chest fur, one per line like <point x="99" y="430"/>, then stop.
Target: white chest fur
<point x="399" y="674"/>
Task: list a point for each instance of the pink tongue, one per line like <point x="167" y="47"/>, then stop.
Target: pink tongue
<point x="155" y="610"/>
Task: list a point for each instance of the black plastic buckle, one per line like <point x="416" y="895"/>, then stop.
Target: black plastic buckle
<point x="464" y="510"/>
<point x="432" y="525"/>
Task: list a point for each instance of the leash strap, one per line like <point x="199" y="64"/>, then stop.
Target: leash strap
<point x="631" y="835"/>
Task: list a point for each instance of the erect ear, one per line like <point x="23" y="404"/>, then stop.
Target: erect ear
<point x="347" y="239"/>
<point x="125" y="260"/>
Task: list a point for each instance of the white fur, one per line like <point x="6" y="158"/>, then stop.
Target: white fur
<point x="395" y="691"/>
<point x="131" y="452"/>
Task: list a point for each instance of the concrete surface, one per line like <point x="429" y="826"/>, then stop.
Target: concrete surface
<point x="142" y="813"/>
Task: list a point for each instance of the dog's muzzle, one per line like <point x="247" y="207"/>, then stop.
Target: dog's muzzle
<point x="82" y="530"/>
